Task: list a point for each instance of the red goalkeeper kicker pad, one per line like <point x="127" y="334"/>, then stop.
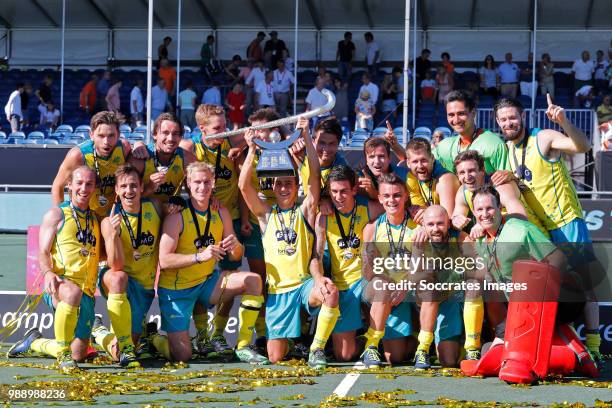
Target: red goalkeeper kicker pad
<point x="530" y="322"/>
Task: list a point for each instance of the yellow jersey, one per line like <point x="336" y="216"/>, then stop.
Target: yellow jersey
<point x="190" y="276"/>
<point x="140" y="263"/>
<point x="401" y="235"/>
<point x="305" y="172"/>
<point x="346" y="256"/>
<point x="174" y="174"/>
<point x="102" y="200"/>
<point x="531" y="214"/>
<point x="226" y="175"/>
<point x="76" y="248"/>
<point x="423" y="193"/>
<point x="263" y="186"/>
<point x="549" y="191"/>
<point x="288" y="243"/>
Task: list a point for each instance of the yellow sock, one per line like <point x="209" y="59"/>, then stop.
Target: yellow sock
<point x="219" y="323"/>
<point x="325" y="324"/>
<point x="248" y="312"/>
<point x="373" y="337"/>
<point x="120" y="315"/>
<point x="260" y="325"/>
<point x="66" y="317"/>
<point x="473" y="315"/>
<point x="104" y="338"/>
<point x="162" y="346"/>
<point x="425" y="338"/>
<point x="593" y="341"/>
<point x="201" y="322"/>
<point x="48" y="347"/>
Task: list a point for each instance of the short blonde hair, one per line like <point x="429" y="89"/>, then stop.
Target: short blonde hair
<point x="205" y="111"/>
<point x="199" y="167"/>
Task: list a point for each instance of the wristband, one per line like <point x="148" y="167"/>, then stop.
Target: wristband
<point x="195" y="256"/>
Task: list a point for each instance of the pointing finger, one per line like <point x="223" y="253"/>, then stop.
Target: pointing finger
<point x="389" y="126"/>
<point x="549" y="99"/>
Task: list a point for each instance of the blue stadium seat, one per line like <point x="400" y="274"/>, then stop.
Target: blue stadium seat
<point x="2" y="135"/>
<point x="17" y="135"/>
<point x="422" y="132"/>
<point x="50" y="141"/>
<point x="126" y="129"/>
<point x="379" y="132"/>
<point x="36" y="135"/>
<point x="64" y="129"/>
<point x="82" y="128"/>
<point x="445" y="131"/>
<point x="72" y="139"/>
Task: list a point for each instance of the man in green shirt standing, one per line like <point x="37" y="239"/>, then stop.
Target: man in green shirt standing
<point x="461" y="115"/>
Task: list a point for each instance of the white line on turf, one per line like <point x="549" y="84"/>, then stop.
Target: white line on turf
<point x="12" y="292"/>
<point x="348" y="381"/>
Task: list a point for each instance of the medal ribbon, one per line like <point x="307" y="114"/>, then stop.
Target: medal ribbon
<point x="126" y="220"/>
<point x="280" y="220"/>
<point x="81" y="234"/>
<point x="394" y="250"/>
<point x="197" y="226"/>
<point x="345" y="239"/>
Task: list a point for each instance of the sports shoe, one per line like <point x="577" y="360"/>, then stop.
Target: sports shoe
<point x="127" y="357"/>
<point x="249" y="355"/>
<point x="23" y="345"/>
<point x="203" y="345"/>
<point x="472" y="354"/>
<point x="596" y="356"/>
<point x="261" y="346"/>
<point x="221" y="347"/>
<point x="371" y="357"/>
<point x="421" y="360"/>
<point x="316" y="359"/>
<point x="144" y="350"/>
<point x="298" y="350"/>
<point x="65" y="362"/>
<point x="97" y="324"/>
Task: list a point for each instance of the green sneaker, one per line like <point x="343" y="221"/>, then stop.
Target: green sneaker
<point x="221" y="347"/>
<point x="65" y="363"/>
<point x="472" y="354"/>
<point x="203" y="345"/>
<point x="316" y="359"/>
<point x="371" y="357"/>
<point x="249" y="355"/>
<point x="127" y="357"/>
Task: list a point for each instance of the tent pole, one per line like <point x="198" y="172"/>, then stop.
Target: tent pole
<point x="406" y="62"/>
<point x="178" y="53"/>
<point x="414" y="55"/>
<point x="295" y="57"/>
<point x="149" y="68"/>
<point x="533" y="63"/>
<point x="62" y="61"/>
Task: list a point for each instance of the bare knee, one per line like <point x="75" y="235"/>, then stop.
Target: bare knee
<point x="276" y="351"/>
<point x="180" y="353"/>
<point x="70" y="293"/>
<point x="331" y="299"/>
<point x="79" y="349"/>
<point x="116" y="281"/>
<point x="252" y="283"/>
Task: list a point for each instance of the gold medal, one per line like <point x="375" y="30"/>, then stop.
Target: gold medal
<point x="84" y="251"/>
<point x="102" y="200"/>
<point x="137" y="255"/>
<point x="348" y="255"/>
<point x="162" y="169"/>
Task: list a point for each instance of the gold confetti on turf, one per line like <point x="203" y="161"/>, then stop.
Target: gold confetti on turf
<point x="292" y="397"/>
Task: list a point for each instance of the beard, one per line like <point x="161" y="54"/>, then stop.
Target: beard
<point x="513" y="134"/>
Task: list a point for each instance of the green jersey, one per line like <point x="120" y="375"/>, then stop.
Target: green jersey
<point x="517" y="240"/>
<point x="488" y="144"/>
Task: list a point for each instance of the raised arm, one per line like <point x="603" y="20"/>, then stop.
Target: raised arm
<point x="257" y="206"/>
<point x="510" y="197"/>
<point x="447" y="188"/>
<point x="73" y="159"/>
<point x="311" y="202"/>
<point x="459" y="217"/>
<point x="573" y="141"/>
<point x="230" y="243"/>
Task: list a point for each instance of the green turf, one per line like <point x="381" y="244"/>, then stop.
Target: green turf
<point x="13" y="261"/>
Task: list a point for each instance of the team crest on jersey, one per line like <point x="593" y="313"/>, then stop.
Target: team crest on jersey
<point x="224" y="173"/>
<point x="175" y="168"/>
<point x="117" y="160"/>
<point x="148" y="216"/>
<point x="167" y="189"/>
<point x="291" y="234"/>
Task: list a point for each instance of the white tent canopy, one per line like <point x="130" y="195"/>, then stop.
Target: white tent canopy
<point x="100" y="29"/>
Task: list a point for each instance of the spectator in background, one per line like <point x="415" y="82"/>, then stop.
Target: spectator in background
<point x="49" y="118"/>
<point x="25" y="101"/>
<point x="436" y="137"/>
<point x="345" y="54"/>
<point x="328" y="82"/>
<point x="389" y="98"/>
<point x="12" y="109"/>
<point x="371" y="87"/>
<point x="88" y="95"/>
<point x="444" y="83"/>
<point x="423" y="65"/>
<point x="526" y="83"/>
<point x="137" y="103"/>
<point x="236" y="104"/>
<point x="162" y="50"/>
<point x="232" y="70"/>
<point x="44" y="93"/>
<point x="264" y="92"/>
<point x="365" y="111"/>
<point x="289" y="64"/>
<point x="245" y="71"/>
<point x="212" y="96"/>
<point x="583" y="71"/>
<point x="398" y="76"/>
<point x="599" y="73"/>
<point x="187" y="105"/>
<point x="102" y="88"/>
<point x="254" y="51"/>
<point x="159" y="99"/>
<point x="168" y="74"/>
<point x="604" y="111"/>
<point x="489" y="77"/>
<point x="315" y="99"/>
<point x="546" y="71"/>
<point x="256" y="76"/>
<point x="283" y="79"/>
<point x="273" y="50"/>
<point x="428" y="88"/>
<point x="113" y="100"/>
<point x="446" y="62"/>
<point x="372" y="54"/>
<point x="508" y="77"/>
<point x="584" y="97"/>
<point x="207" y="52"/>
<point x="341" y="109"/>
